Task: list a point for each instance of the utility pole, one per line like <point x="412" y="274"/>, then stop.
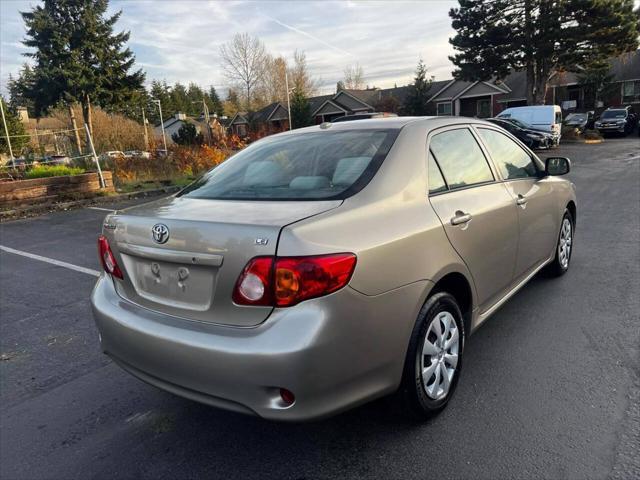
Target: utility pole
<point x="95" y="157"/>
<point x="286" y="85"/>
<point x="146" y="135"/>
<point x="205" y="112"/>
<point x="164" y="138"/>
<point x="6" y="132"/>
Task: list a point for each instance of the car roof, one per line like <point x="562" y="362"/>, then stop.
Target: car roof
<point x="387" y="123"/>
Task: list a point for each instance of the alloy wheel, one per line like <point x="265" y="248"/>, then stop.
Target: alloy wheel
<point x="439" y="356"/>
<point x="564" y="245"/>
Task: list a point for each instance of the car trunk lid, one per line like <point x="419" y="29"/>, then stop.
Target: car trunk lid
<point x="190" y="270"/>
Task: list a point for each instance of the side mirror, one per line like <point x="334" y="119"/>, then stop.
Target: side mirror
<point x="557" y="166"/>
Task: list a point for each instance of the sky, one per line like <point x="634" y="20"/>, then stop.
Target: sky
<point x="180" y="40"/>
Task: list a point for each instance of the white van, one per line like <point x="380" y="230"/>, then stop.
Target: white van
<point x="540" y="117"/>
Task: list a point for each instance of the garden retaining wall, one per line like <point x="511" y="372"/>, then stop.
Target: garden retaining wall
<point x="52" y="189"/>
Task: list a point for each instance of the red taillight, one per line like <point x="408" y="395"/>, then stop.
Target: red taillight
<point x="286" y="281"/>
<point x="106" y="257"/>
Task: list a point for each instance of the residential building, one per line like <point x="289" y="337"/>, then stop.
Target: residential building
<point x="480" y="99"/>
<point x="273" y="118"/>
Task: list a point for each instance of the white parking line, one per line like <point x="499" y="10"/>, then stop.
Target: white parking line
<point x="102" y="209"/>
<point x="52" y="261"/>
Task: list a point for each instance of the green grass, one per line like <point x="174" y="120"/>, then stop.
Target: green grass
<point x="43" y="171"/>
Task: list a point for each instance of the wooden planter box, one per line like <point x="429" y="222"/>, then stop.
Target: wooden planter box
<point x="37" y="190"/>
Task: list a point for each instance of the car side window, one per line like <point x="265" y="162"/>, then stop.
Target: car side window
<point x="460" y="158"/>
<point x="436" y="181"/>
<point x="511" y="159"/>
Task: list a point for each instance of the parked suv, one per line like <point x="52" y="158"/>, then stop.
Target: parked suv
<point x="322" y="268"/>
<point x="617" y="120"/>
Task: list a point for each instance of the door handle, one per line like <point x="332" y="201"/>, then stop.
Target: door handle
<point x="461" y="218"/>
<point x="522" y="200"/>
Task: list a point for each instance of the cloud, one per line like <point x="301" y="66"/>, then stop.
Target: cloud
<point x="180" y="41"/>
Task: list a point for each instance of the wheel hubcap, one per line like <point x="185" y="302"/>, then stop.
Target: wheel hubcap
<point x="564" y="245"/>
<point x="439" y="357"/>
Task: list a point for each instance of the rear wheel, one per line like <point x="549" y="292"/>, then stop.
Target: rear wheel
<point x="564" y="248"/>
<point x="434" y="357"/>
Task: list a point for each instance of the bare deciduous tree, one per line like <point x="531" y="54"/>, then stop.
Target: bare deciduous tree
<point x="354" y="77"/>
<point x="243" y="61"/>
<point x="273" y="87"/>
<point x="299" y="76"/>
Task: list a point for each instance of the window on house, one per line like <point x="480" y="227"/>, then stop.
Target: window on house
<point x="631" y="91"/>
<point x="483" y="108"/>
<point x="444" y="108"/>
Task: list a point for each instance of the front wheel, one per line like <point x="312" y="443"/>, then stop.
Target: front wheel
<point x="564" y="248"/>
<point x="434" y="357"/>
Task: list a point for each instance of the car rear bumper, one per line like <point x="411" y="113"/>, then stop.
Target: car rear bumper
<point x="332" y="353"/>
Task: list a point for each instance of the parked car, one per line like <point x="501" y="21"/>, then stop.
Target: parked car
<point x="110" y="155"/>
<point x="534" y="139"/>
<point x="580" y="121"/>
<point x="136" y="153"/>
<point x="617" y="120"/>
<point x="363" y="116"/>
<point x="57" y="160"/>
<point x="545" y="117"/>
<point x="311" y="273"/>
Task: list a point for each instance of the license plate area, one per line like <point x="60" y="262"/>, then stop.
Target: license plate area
<point x="178" y="285"/>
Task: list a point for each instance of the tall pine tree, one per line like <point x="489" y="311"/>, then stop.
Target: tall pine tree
<point x="214" y="102"/>
<point x="540" y="37"/>
<point x="416" y="101"/>
<point x="78" y="57"/>
<point x="300" y="110"/>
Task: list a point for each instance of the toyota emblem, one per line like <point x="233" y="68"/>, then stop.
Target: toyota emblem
<point x="160" y="233"/>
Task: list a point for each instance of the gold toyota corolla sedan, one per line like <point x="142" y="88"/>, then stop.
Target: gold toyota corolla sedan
<point x="322" y="268"/>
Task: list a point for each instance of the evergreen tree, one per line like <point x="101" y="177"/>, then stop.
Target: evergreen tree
<point x="179" y="98"/>
<point x="188" y="135"/>
<point x="19" y="87"/>
<point x="539" y="36"/>
<point x="160" y="91"/>
<point x="214" y="103"/>
<point x="416" y="101"/>
<point x="232" y="103"/>
<point x="300" y="110"/>
<point x="78" y="57"/>
<point x="15" y="127"/>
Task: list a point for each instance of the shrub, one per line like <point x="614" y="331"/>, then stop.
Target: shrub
<point x="181" y="161"/>
<point x="592" y="135"/>
<point x="43" y="171"/>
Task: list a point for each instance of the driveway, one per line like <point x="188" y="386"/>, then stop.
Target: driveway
<point x="550" y="387"/>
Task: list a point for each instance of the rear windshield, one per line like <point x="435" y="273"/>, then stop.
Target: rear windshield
<point x="308" y="166"/>
<point x="614" y="114"/>
<point x="576" y="116"/>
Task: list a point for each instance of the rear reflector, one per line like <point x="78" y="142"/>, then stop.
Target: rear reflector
<point x="287" y="396"/>
<point x="106" y="257"/>
<point x="286" y="281"/>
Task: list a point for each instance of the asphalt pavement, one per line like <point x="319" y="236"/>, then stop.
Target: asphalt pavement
<point x="550" y="386"/>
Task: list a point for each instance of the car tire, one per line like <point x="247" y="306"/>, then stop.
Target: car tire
<point x="564" y="247"/>
<point x="425" y="390"/>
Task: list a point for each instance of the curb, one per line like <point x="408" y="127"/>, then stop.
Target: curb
<point x="33" y="210"/>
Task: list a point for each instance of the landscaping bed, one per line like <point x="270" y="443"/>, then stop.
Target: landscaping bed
<point x="52" y="189"/>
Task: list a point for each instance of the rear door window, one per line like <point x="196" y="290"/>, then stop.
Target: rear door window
<point x="460" y="158"/>
<point x="306" y="166"/>
<point x="512" y="161"/>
